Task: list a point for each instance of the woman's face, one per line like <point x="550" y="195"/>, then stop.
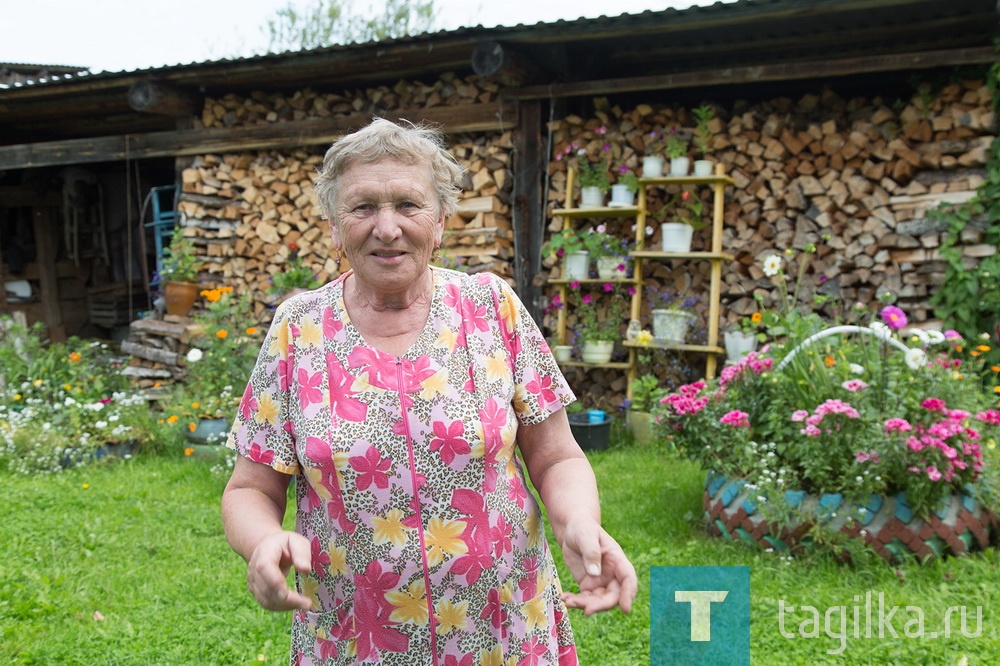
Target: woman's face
<point x="387" y="223"/>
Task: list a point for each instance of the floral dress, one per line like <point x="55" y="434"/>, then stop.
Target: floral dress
<point x="427" y="547"/>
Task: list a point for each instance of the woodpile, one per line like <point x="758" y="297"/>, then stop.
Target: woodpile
<point x="244" y="210"/>
<point x="157" y="348"/>
<point x="854" y="178"/>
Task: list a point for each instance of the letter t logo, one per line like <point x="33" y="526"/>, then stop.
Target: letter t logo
<point x="701" y="610"/>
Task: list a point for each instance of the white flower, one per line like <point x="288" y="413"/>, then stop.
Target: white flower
<point x="772" y="265"/>
<point x="915" y="358"/>
<point x="857" y="369"/>
<point x="880" y="330"/>
<point x="194" y="355"/>
<point x="859" y="479"/>
<point x="920" y="335"/>
<point x="935" y="337"/>
<point x="101" y="424"/>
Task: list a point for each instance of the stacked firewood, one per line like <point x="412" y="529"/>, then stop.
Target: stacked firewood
<point x="855" y="179"/>
<point x="245" y="211"/>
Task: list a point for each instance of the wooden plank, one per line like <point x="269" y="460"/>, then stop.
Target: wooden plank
<point x="757" y="74"/>
<point x="45" y="223"/>
<point x="312" y="132"/>
<point x="150" y="353"/>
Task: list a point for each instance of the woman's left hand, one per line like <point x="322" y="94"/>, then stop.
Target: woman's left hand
<point x="605" y="576"/>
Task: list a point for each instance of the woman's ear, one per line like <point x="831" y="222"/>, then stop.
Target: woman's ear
<point x="335" y="237"/>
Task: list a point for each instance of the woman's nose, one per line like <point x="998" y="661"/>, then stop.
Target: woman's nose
<point x="386" y="228"/>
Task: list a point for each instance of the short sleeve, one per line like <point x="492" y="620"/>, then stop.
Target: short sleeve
<point x="540" y="389"/>
<point x="261" y="430"/>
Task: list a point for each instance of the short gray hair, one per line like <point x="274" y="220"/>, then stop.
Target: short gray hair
<point x="384" y="139"/>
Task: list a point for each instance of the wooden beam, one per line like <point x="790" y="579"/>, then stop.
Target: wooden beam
<point x="759" y="73"/>
<point x="150" y="97"/>
<point x="45" y="223"/>
<point x="528" y="214"/>
<point x="453" y="119"/>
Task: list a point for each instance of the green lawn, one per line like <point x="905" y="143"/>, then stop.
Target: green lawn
<point x="140" y="543"/>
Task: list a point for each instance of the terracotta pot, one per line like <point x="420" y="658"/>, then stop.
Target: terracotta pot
<point x="180" y="297"/>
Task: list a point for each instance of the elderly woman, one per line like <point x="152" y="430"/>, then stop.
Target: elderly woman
<point x="396" y="396"/>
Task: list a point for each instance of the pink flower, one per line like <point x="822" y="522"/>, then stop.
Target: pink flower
<point x="952" y="334"/>
<point x="897" y="425"/>
<point x="799" y="415"/>
<point x="933" y="405"/>
<point x="854" y="385"/>
<point x="893" y="317"/>
<point x="587" y="298"/>
<point x="991" y="416"/>
<point x="736" y="418"/>
<point x="861" y="456"/>
<point x="838" y="407"/>
<point x="608" y="287"/>
<point x="811" y="431"/>
<point x="933" y="474"/>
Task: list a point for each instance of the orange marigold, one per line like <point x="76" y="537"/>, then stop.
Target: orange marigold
<point x="222" y="334"/>
<point x="75" y="357"/>
<point x="211" y="295"/>
<point x="173" y="418"/>
<point x="188" y="451"/>
<point x="830" y="361"/>
<point x="756" y="317"/>
<point x="192" y="427"/>
<point x="252" y="330"/>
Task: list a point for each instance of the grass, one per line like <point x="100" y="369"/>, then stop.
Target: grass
<point x="140" y="542"/>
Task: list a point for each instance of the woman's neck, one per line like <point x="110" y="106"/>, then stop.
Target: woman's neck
<point x="391" y="322"/>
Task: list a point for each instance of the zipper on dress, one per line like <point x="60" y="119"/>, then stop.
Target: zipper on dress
<point x="432" y="621"/>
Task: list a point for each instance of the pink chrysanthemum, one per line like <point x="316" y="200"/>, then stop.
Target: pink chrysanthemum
<point x="893" y="317"/>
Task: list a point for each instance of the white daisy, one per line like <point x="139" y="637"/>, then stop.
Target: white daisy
<point x="194" y="355"/>
<point x="916" y="358"/>
<point x="772" y="265"/>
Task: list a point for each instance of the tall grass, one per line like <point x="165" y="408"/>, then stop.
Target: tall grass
<point x="126" y="564"/>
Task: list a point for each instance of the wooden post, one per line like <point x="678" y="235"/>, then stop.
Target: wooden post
<point x="528" y="217"/>
<point x="46" y="220"/>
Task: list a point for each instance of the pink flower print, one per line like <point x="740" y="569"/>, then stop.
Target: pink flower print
<point x="452" y="296"/>
<point x="501" y="535"/>
<point x="343" y="404"/>
<point x="477" y="560"/>
<point x="529" y="584"/>
<point x="248" y="403"/>
<point x="533" y="650"/>
<point x="934" y="405"/>
<point x="259" y="455"/>
<point x="373" y="627"/>
<point x="381" y="367"/>
<point x="494" y="609"/>
<point x="320" y="558"/>
<point x="331" y="324"/>
<point x="451" y="660"/>
<point x="854" y="385"/>
<point x="567" y="655"/>
<point x="475" y="315"/>
<point x="371" y="469"/>
<point x="516" y="492"/>
<point x="449" y="442"/>
<point x="308" y="388"/>
<point x="736" y="418"/>
<point x="542" y="388"/>
<point x="284" y="374"/>
<point x="799" y="415"/>
<point x="933" y="474"/>
<point x="893" y="317"/>
<point x="897" y="425"/>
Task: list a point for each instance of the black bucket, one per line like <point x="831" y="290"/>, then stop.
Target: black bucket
<point x="590" y="436"/>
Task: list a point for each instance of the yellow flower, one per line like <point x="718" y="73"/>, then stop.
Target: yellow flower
<point x="267" y="410"/>
<point x="756" y="317"/>
<point x="390" y="528"/>
<point x="310" y="333"/>
<point x="450" y="616"/>
<point x="67" y="387"/>
<point x="75" y="357"/>
<point x="830" y="361"/>
<point x="195" y="405"/>
<point x="173" y="418"/>
<point x="492" y="657"/>
<point x="411" y="604"/>
<point x="444" y="538"/>
<point x="38" y="382"/>
<point x="85" y="486"/>
<point x="446" y="338"/>
<point x="434" y="385"/>
<point x="17" y="396"/>
<point x="497" y="368"/>
<point x="222" y="334"/>
<point x="534" y="612"/>
<point x="252" y="330"/>
<point x="338" y="559"/>
<point x="188" y="451"/>
<point x="996" y="389"/>
<point x="973" y="353"/>
<point x="192" y="427"/>
<point x="644" y="337"/>
<point x="983" y="348"/>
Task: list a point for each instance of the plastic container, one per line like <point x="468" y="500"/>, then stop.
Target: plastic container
<point x="590" y="436"/>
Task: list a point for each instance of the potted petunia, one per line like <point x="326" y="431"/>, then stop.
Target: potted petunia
<point x="567" y="244"/>
<point x="854" y="432"/>
<point x="594" y="183"/>
<point x="599" y="323"/>
<point x="625" y="188"/>
<point x="608" y="250"/>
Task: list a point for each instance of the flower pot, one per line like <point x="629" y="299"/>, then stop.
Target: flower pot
<point x="671" y="326"/>
<point x="597" y="351"/>
<point x="621" y="197"/>
<point x="885" y="523"/>
<point x="209" y="431"/>
<point x="607" y="267"/>
<point x="703" y="168"/>
<point x="563" y="353"/>
<point x="180" y="297"/>
<point x="679" y="166"/>
<point x="578" y="265"/>
<point x="590" y="436"/>
<point x="739" y="344"/>
<point x="652" y="166"/>
<point x="591" y="197"/>
<point x="641" y="424"/>
<point x="676" y="236"/>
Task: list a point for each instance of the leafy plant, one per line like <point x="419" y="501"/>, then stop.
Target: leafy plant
<point x="595" y="174"/>
<point x="675" y="144"/>
<point x="599" y="243"/>
<point x="600" y="319"/>
<point x="702" y="136"/>
<point x="566" y="241"/>
<point x="646" y="392"/>
<point x="690" y="209"/>
<point x="180" y="263"/>
<point x="296" y="276"/>
<point x="627" y="178"/>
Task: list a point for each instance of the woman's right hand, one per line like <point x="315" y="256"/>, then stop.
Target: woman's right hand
<point x="267" y="571"/>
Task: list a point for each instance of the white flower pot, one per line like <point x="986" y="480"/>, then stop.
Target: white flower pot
<point x="671" y="326"/>
<point x="607" y="267"/>
<point x="703" y="168"/>
<point x="578" y="265"/>
<point x="591" y="197"/>
<point x="679" y="166"/>
<point x="676" y="236"/>
<point x="563" y="353"/>
<point x="621" y="197"/>
<point x="739" y="344"/>
<point x="652" y="166"/>
<point x="597" y="351"/>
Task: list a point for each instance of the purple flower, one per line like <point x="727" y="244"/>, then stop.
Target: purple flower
<point x="893" y="317"/>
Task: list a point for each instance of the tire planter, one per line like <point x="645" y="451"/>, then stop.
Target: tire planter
<point x="886" y="524"/>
